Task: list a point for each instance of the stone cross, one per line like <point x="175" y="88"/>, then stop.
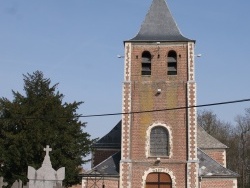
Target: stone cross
<point x="46" y="176"/>
<point x="47" y="150"/>
<point x="2" y="183"/>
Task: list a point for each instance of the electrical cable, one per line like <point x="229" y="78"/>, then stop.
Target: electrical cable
<point x="146" y="111"/>
<point x="168" y="109"/>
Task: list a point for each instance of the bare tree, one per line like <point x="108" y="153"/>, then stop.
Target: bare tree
<point x="236" y="137"/>
<point x="214" y="126"/>
<point x="242" y="132"/>
<point x="208" y="120"/>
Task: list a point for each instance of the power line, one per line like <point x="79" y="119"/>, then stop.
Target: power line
<point x="167" y="109"/>
<point x="146" y="111"/>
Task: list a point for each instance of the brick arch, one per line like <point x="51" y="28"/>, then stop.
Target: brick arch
<point x="147" y="145"/>
<point x="158" y="170"/>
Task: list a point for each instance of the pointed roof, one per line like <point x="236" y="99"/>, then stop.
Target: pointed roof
<point x="159" y="25"/>
<point x="112" y="139"/>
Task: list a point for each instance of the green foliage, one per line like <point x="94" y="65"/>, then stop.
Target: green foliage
<point x="34" y="120"/>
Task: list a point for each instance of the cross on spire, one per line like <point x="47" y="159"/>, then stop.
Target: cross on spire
<point x="47" y="150"/>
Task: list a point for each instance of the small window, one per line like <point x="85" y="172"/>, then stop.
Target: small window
<point x="146" y="63"/>
<point x="172" y="63"/>
<point x="159" y="142"/>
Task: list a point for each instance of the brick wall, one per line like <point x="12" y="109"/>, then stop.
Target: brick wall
<point x="106" y="183"/>
<point x="141" y="95"/>
<point x="218" y="183"/>
<point x="173" y="94"/>
<point x="218" y="155"/>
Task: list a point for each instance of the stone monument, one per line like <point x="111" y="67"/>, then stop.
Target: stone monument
<point x="46" y="176"/>
<point x="17" y="184"/>
<point x="2" y="183"/>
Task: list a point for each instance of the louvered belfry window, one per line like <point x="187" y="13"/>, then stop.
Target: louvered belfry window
<point x="159" y="142"/>
<point x="172" y="63"/>
<point x="146" y="63"/>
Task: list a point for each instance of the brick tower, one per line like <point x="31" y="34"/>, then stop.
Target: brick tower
<point x="159" y="147"/>
<point x="158" y="143"/>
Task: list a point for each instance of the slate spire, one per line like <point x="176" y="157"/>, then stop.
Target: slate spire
<point x="159" y="25"/>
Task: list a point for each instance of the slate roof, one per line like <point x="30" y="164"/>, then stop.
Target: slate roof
<point x="207" y="166"/>
<point x="210" y="168"/>
<point x="206" y="141"/>
<point x="159" y="25"/>
<point x="111" y="140"/>
<point x="109" y="167"/>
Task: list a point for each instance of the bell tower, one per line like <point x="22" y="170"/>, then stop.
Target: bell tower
<point x="159" y="137"/>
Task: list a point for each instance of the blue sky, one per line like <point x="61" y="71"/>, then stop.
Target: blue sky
<point x="75" y="43"/>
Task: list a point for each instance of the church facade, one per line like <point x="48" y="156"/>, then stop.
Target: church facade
<point x="158" y="143"/>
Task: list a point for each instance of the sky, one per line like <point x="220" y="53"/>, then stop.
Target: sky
<point x="76" y="42"/>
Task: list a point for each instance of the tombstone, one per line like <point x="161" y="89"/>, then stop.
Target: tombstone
<point x="58" y="186"/>
<point x="46" y="176"/>
<point x="2" y="183"/>
<point x="17" y="184"/>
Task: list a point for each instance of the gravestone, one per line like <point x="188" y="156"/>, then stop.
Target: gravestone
<point x="58" y="186"/>
<point x="17" y="184"/>
<point x="46" y="176"/>
<point x="2" y="183"/>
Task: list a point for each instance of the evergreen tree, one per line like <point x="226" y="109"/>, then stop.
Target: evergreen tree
<point x="30" y="122"/>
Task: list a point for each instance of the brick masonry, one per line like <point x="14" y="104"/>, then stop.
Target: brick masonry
<point x="218" y="155"/>
<point x="218" y="183"/>
<point x="100" y="183"/>
<point x="192" y="169"/>
<point x="139" y="94"/>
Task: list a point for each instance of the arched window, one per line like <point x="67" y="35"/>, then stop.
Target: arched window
<point x="146" y="63"/>
<point x="172" y="63"/>
<point x="158" y="180"/>
<point x="159" y="142"/>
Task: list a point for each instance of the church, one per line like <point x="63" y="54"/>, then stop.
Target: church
<point x="158" y="143"/>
